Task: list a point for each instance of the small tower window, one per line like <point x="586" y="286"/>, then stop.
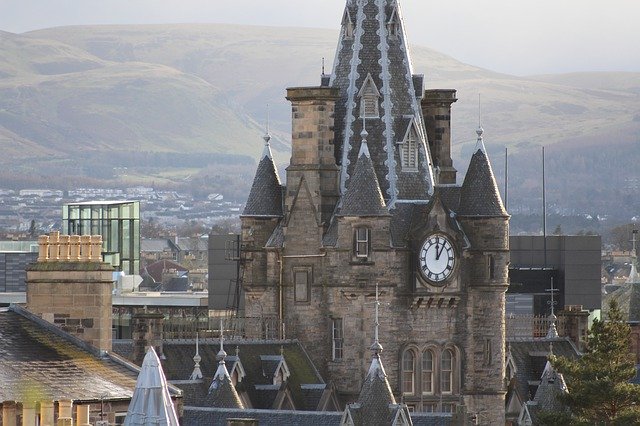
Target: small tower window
<point x="409" y="151"/>
<point x="302" y="281"/>
<point x="393" y="25"/>
<point x="361" y="242"/>
<point x="369" y="96"/>
<point x="347" y="24"/>
<point x="491" y="267"/>
<point x="337" y="339"/>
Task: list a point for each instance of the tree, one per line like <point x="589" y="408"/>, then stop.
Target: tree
<point x="599" y="388"/>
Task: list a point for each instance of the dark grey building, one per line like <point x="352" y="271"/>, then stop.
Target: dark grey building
<point x="573" y="261"/>
<point x="14" y="258"/>
<point x="225" y="291"/>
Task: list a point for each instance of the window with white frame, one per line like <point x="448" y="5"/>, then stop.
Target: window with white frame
<point x="361" y="242"/>
<point x="427" y="372"/>
<point x="408" y="372"/>
<point x="337" y="339"/>
<point x="409" y="151"/>
<point x="446" y="372"/>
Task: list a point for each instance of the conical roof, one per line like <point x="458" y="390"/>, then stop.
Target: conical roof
<point x="552" y="386"/>
<point x="479" y="195"/>
<point x="628" y="298"/>
<point x="373" y="59"/>
<point x="151" y="403"/>
<point x="222" y="392"/>
<point x="265" y="197"/>
<point x="363" y="196"/>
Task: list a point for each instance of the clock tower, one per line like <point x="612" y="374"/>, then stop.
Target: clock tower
<point x="370" y="200"/>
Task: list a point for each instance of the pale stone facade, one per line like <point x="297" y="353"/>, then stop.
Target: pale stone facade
<point x="356" y="212"/>
<point x="70" y="286"/>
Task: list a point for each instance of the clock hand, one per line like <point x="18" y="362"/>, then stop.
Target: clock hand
<point x="438" y="253"/>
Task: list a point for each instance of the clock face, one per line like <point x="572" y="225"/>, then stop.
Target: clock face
<point x="437" y="258"/>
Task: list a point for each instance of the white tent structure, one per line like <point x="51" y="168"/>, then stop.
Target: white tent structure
<point x="151" y="403"/>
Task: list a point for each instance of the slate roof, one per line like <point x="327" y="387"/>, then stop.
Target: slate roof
<point x="276" y="240"/>
<point x="628" y="298"/>
<point x="450" y="196"/>
<point x="479" y="195"/>
<point x="178" y="366"/>
<point x="197" y="416"/>
<point x="222" y="393"/>
<point x="372" y="51"/>
<point x="530" y="358"/>
<point x="265" y="197"/>
<point x="552" y="385"/>
<point x="363" y="196"/>
<point x="37" y="356"/>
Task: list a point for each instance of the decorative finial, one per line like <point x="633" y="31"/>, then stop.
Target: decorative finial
<point x="553" y="331"/>
<point x="238" y="351"/>
<point x="267" y="136"/>
<point x="222" y="354"/>
<point x="197" y="372"/>
<point x="480" y="130"/>
<point x="364" y="148"/>
<point x="323" y="66"/>
<point x="377" y="347"/>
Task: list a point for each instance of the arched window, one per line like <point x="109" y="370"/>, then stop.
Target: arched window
<point x="408" y="372"/>
<point x="446" y="371"/>
<point x="427" y="372"/>
<point x="409" y="151"/>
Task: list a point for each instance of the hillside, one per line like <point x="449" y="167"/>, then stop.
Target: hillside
<point x="205" y="89"/>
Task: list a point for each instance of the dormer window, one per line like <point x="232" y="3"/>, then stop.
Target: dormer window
<point x="347" y="24"/>
<point x="369" y="96"/>
<point x="409" y="151"/>
<point x="393" y="25"/>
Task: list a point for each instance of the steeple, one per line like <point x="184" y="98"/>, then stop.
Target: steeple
<point x="479" y="196"/>
<point x="634" y="277"/>
<point x="265" y="198"/>
<point x="373" y="71"/>
<point x="222" y="392"/>
<point x="363" y="196"/>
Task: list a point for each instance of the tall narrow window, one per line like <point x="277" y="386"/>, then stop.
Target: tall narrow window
<point x="369" y="96"/>
<point x="427" y="372"/>
<point x="302" y="281"/>
<point x="491" y="264"/>
<point x="336" y="339"/>
<point x="487" y="351"/>
<point x="347" y="23"/>
<point x="361" y="242"/>
<point x="393" y="26"/>
<point x="408" y="372"/>
<point x="410" y="151"/>
<point x="446" y="372"/>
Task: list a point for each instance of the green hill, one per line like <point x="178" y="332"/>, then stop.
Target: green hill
<point x="204" y="89"/>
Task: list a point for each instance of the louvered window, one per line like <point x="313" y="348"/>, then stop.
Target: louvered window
<point x="369" y="105"/>
<point x="409" y="152"/>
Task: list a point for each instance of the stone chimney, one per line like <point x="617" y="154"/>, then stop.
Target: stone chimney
<point x="147" y="330"/>
<point x="436" y="109"/>
<point x="70" y="286"/>
<point x="313" y="149"/>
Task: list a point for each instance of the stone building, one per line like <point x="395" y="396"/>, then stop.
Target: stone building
<point x="371" y="198"/>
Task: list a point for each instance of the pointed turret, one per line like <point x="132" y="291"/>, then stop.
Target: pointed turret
<point x="373" y="71"/>
<point x="479" y="196"/>
<point x="151" y="402"/>
<point x="363" y="196"/>
<point x="552" y="386"/>
<point x="265" y="198"/>
<point x="222" y="392"/>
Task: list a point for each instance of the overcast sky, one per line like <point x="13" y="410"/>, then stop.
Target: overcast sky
<point x="512" y="36"/>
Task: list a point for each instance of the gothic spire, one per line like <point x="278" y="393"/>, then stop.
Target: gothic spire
<point x="363" y="196"/>
<point x="222" y="392"/>
<point x="479" y="195"/>
<point x="374" y="72"/>
<point x="265" y="198"/>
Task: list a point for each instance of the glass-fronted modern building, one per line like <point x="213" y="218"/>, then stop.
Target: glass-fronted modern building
<point x="119" y="224"/>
